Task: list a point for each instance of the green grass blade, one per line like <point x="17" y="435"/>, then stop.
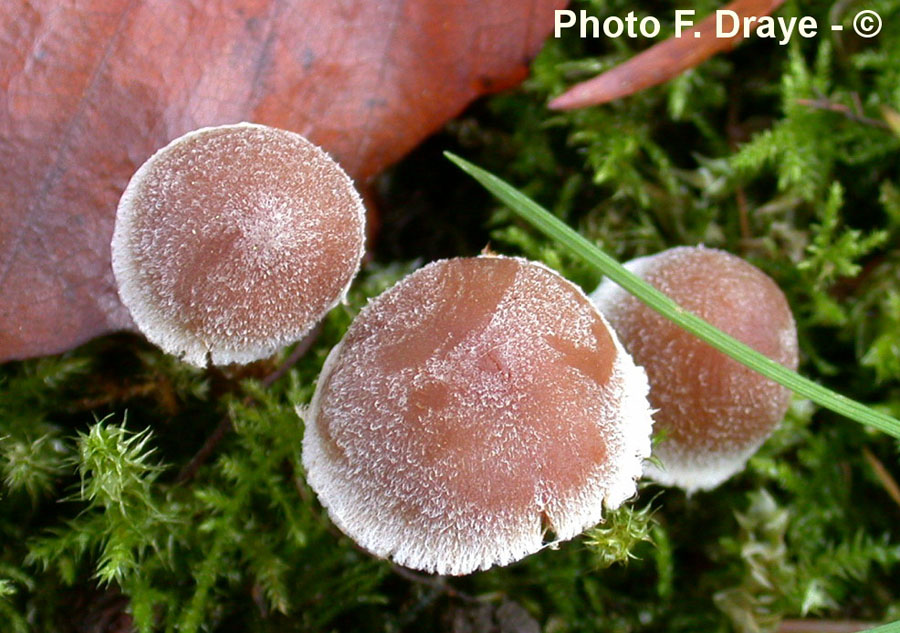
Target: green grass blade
<point x="557" y="230"/>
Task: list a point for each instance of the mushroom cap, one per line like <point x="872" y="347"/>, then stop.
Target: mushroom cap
<point x="714" y="412"/>
<point x="233" y="241"/>
<point x="470" y="407"/>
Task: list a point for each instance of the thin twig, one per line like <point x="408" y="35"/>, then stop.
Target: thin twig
<point x="209" y="446"/>
<point x="743" y="214"/>
<point x="435" y="582"/>
<point x="128" y="392"/>
<point x="823" y="103"/>
<point x="824" y="626"/>
<point x="190" y="469"/>
<point x="889" y="483"/>
<point x="733" y="129"/>
<point x="298" y="353"/>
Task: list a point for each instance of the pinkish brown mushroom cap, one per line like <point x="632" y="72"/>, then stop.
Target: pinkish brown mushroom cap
<point x="713" y="411"/>
<point x="233" y="241"/>
<point x="470" y="407"/>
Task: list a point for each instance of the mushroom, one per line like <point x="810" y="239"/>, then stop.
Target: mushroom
<point x="714" y="412"/>
<point x="472" y="408"/>
<point x="233" y="241"/>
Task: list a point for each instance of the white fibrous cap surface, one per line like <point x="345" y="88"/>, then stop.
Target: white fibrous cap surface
<point x="470" y="407"/>
<point x="233" y="241"/>
<point x="713" y="412"/>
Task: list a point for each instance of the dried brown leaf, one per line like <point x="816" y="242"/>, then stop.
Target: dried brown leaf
<point x="92" y="87"/>
<point x="663" y="61"/>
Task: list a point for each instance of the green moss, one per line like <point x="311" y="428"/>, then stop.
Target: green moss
<point x="779" y="154"/>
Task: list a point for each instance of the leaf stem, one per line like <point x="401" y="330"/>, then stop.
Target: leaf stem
<point x="557" y="230"/>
